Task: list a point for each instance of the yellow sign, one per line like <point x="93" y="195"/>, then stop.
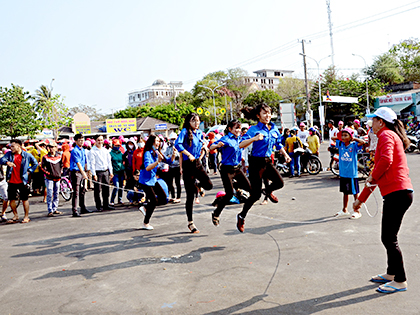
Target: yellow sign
<point x="199" y="110"/>
<point x="121" y="125"/>
<point x="223" y="111"/>
<point x="207" y="113"/>
<point x="82" y="127"/>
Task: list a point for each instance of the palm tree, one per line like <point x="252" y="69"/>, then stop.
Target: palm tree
<point x="42" y="95"/>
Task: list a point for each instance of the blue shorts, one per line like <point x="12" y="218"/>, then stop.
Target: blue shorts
<point x="349" y="186"/>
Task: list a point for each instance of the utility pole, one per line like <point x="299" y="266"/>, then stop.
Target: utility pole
<point x="331" y="35"/>
<point x="308" y="104"/>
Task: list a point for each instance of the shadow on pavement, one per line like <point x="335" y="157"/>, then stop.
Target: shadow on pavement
<point x="310" y="306"/>
<point x="89" y="273"/>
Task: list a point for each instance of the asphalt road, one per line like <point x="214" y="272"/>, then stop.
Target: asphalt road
<point x="293" y="258"/>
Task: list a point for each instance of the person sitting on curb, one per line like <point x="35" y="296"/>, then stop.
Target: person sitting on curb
<point x="19" y="165"/>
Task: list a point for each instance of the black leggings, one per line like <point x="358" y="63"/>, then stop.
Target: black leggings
<point x="151" y="201"/>
<point x="395" y="206"/>
<point x="259" y="168"/>
<point x="174" y="173"/>
<point x="192" y="171"/>
<point x="228" y="173"/>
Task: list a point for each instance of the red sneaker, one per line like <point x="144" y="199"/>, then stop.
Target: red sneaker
<point x="270" y="196"/>
<point x="240" y="224"/>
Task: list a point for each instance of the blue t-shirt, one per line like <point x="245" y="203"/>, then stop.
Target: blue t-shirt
<point x="264" y="147"/>
<point x="148" y="177"/>
<point x="181" y="143"/>
<point x="348" y="158"/>
<point x="77" y="156"/>
<point x="231" y="153"/>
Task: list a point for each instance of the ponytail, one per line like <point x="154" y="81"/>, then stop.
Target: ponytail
<point x="252" y="112"/>
<point x="233" y="123"/>
<point x="187" y="126"/>
<point x="398" y="128"/>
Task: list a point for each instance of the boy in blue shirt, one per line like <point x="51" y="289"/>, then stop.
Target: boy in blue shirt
<point x="349" y="184"/>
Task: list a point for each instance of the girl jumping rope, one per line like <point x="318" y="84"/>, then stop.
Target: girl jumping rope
<point x="190" y="143"/>
<point x="231" y="168"/>
<point x="263" y="136"/>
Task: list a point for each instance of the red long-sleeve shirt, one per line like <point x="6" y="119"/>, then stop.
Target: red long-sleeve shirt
<point x="391" y="171"/>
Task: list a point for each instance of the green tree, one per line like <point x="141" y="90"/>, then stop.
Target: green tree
<point x="293" y="90"/>
<point x="17" y="114"/>
<point x="165" y="112"/>
<point x="268" y="97"/>
<point x="386" y="69"/>
<point x="42" y="95"/>
<point x="53" y="114"/>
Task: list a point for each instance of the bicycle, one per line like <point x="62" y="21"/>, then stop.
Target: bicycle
<point x="17" y="201"/>
<point x="66" y="189"/>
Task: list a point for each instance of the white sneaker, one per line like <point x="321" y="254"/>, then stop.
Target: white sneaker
<point x="341" y="213"/>
<point x="356" y="215"/>
<point x="142" y="210"/>
<point x="147" y="227"/>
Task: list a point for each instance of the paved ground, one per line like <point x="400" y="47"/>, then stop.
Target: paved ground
<point x="292" y="259"/>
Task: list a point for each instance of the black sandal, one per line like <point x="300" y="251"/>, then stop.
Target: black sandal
<point x="193" y="228"/>
<point x="215" y="220"/>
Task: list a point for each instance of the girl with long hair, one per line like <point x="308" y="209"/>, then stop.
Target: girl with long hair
<point x="151" y="159"/>
<point x="263" y="136"/>
<point x="390" y="173"/>
<point x="231" y="168"/>
<point x="190" y="144"/>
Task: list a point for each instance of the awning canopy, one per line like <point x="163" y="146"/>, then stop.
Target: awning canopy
<point x="399" y="107"/>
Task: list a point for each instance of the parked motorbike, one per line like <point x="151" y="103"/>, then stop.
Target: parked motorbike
<point x="308" y="161"/>
<point x="414" y="138"/>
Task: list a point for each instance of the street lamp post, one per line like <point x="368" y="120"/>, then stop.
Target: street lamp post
<point x="319" y="89"/>
<point x="214" y="102"/>
<point x="367" y="86"/>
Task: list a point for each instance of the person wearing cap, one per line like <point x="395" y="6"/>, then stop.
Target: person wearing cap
<point x="340" y="125"/>
<point x="391" y="175"/>
<point x="101" y="167"/>
<point x="358" y="128"/>
<point x="78" y="176"/>
<point x="174" y="172"/>
<point x="349" y="185"/>
<point x="303" y="134"/>
<point x="52" y="167"/>
<point x="118" y="170"/>
<point x="38" y="151"/>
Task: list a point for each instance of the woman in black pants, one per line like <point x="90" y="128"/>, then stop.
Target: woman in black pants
<point x="231" y="167"/>
<point x="190" y="143"/>
<point x="147" y="179"/>
<point x="263" y="136"/>
<point x="390" y="173"/>
<point x="174" y="172"/>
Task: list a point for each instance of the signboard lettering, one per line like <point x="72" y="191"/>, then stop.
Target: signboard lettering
<point x="121" y="125"/>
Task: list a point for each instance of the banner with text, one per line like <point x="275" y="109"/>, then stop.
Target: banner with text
<point x="82" y="127"/>
<point x="121" y="125"/>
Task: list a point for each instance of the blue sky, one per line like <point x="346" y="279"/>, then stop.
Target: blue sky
<point x="98" y="51"/>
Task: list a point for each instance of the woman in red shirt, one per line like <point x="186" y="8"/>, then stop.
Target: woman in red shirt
<point x="390" y="173"/>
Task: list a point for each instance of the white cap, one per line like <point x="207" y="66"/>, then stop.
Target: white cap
<point x="385" y="113"/>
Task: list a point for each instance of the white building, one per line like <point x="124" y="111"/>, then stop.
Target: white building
<point x="159" y="92"/>
<point x="268" y="79"/>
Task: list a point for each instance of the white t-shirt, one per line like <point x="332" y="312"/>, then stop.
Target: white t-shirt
<point x="303" y="135"/>
<point x="333" y="133"/>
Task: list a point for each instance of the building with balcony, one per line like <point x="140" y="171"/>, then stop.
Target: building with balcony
<point x="268" y="79"/>
<point x="158" y="93"/>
